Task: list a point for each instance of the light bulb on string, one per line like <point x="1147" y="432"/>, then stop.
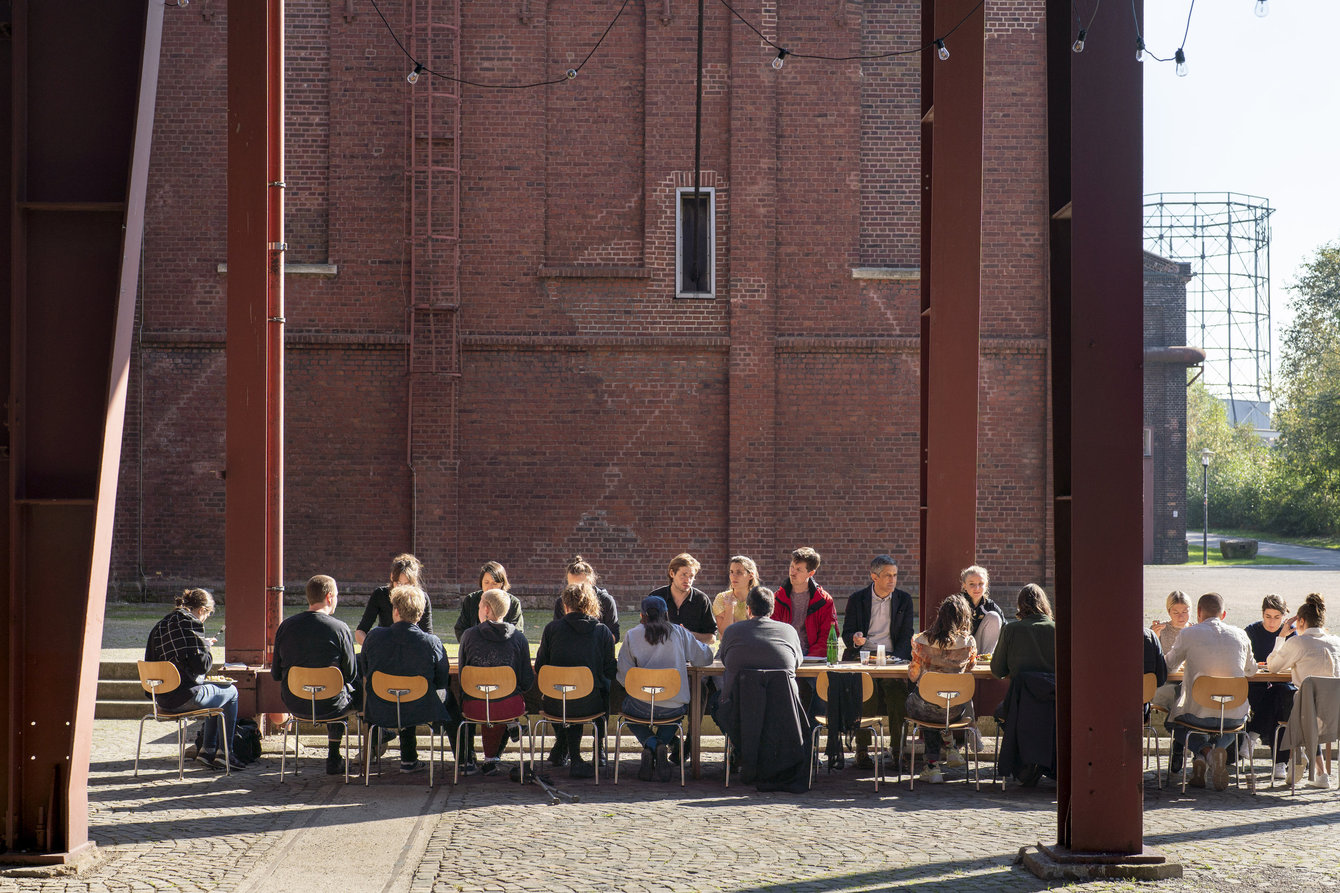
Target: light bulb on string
<point x="413" y="76"/>
<point x="781" y="58"/>
<point x="1262" y="9"/>
<point x="1139" y="48"/>
<point x="1180" y="58"/>
<point x="1078" y="45"/>
<point x="941" y="50"/>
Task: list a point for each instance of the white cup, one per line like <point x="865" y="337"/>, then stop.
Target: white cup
<point x="865" y="655"/>
<point x="879" y="655"/>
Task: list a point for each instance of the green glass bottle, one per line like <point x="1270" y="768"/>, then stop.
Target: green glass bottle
<point x="832" y="645"/>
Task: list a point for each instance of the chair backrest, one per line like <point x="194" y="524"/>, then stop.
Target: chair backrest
<point x="398" y="689"/>
<point x="867" y="686"/>
<point x="1151" y="686"/>
<point x="652" y="686"/>
<point x="314" y="684"/>
<point x="158" y="677"/>
<point x="946" y="689"/>
<point x="1219" y="693"/>
<point x="488" y="683"/>
<point x="566" y="683"/>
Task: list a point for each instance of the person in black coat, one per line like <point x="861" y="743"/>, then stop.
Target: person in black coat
<point x="491" y="576"/>
<point x="893" y="608"/>
<point x="493" y="642"/>
<point x="406" y="570"/>
<point x="578" y="639"/>
<point x="579" y="570"/>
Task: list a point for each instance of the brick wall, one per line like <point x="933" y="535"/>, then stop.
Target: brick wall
<point x="583" y="407"/>
<point x="1165" y="403"/>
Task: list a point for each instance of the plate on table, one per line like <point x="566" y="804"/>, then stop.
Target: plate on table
<point x="220" y="680"/>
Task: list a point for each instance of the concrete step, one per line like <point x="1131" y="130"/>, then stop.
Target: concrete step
<point x="118" y="669"/>
<point x="119" y="709"/>
<point x="119" y="690"/>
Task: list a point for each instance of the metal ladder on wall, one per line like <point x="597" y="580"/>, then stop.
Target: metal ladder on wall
<point x="432" y="181"/>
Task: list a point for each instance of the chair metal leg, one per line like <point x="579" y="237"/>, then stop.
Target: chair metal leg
<point x="181" y="750"/>
<point x="139" y="744"/>
<point x="283" y="753"/>
<point x="618" y="747"/>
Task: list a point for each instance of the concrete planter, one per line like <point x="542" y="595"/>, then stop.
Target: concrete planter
<point x="1237" y="550"/>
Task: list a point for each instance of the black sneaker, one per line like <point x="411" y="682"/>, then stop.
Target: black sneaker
<point x="469" y="768"/>
<point x="648" y="766"/>
<point x="489" y="767"/>
<point x="412" y="766"/>
<point x="335" y="765"/>
<point x="210" y="759"/>
<point x="663" y="767"/>
<point x="582" y="769"/>
<point x="559" y="755"/>
<point x="234" y="764"/>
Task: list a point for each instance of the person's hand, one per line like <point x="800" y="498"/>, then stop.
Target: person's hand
<point x="858" y="639"/>
<point x="1288" y="627"/>
<point x="210" y="642"/>
<point x="1157" y="626"/>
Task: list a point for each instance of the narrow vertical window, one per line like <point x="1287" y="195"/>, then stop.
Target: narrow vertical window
<point x="695" y="243"/>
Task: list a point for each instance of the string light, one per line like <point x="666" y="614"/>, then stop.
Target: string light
<point x="1262" y="9"/>
<point x="941" y="50"/>
<point x="413" y="76"/>
<point x="1180" y="58"/>
<point x="1078" y="45"/>
<point x="780" y="60"/>
<point x="1139" y="48"/>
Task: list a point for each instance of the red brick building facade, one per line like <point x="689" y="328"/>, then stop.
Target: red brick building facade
<point x="487" y="357"/>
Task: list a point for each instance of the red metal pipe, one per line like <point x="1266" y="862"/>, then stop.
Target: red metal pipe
<point x="274" y="459"/>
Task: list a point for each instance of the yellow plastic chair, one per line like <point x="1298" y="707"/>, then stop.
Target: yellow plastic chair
<point x="402" y="690"/>
<point x="314" y="684"/>
<point x="162" y="676"/>
<point x="650" y="686"/>
<point x="564" y="684"/>
<point x="1222" y="693"/>
<point x="1151" y="734"/>
<point x="951" y="690"/>
<point x="821" y="722"/>
<point x="488" y="684"/>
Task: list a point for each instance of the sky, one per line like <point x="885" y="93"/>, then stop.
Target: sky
<point x="1258" y="113"/>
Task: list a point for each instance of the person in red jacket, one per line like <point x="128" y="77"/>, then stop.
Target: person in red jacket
<point x="806" y="606"/>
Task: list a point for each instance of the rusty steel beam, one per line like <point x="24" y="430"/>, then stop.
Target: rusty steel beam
<point x="253" y="528"/>
<point x="1095" y="158"/>
<point x="950" y="295"/>
<point x="78" y="152"/>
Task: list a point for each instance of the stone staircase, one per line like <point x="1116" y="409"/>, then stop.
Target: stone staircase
<point x="119" y="692"/>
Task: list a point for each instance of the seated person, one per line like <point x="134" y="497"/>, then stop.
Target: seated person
<point x="729" y="605"/>
<point x="758" y="642"/>
<point x="493" y="642"/>
<point x="880" y="614"/>
<point x="656" y="643"/>
<point x="579" y="570"/>
<point x="491" y="576"/>
<point x="805" y="605"/>
<point x="1028" y="644"/>
<point x="947" y="646"/>
<point x="1178" y="606"/>
<point x="179" y="638"/>
<point x="405" y="571"/>
<point x="1210" y="647"/>
<point x="1028" y="714"/>
<point x="404" y="649"/>
<point x="1271" y="702"/>
<point x="686" y="606"/>
<point x="315" y="639"/>
<point x="987" y="617"/>
<point x="578" y="639"/>
<point x="1312" y="652"/>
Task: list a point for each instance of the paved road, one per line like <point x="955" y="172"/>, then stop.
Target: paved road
<point x="250" y="833"/>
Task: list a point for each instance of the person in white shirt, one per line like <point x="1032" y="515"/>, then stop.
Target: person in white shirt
<point x="1310" y="653"/>
<point x="1210" y="648"/>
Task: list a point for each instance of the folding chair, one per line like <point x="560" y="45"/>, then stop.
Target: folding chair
<point x="1222" y="693"/>
<point x="402" y="690"/>
<point x="1151" y="734"/>
<point x="162" y="674"/>
<point x="564" y="684"/>
<point x="821" y="722"/>
<point x="649" y="685"/>
<point x="314" y="684"/>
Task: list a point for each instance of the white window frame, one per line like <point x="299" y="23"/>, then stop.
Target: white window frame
<point x="711" y="193"/>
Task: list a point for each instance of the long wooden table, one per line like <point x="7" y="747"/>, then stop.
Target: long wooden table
<point x="892" y="670"/>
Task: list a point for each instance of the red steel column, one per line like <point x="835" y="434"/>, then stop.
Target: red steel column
<point x="950" y="295"/>
<point x="1096" y="292"/>
<point x="253" y="527"/>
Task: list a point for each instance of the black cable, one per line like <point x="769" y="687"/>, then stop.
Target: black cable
<point x="569" y="75"/>
<point x="797" y="55"/>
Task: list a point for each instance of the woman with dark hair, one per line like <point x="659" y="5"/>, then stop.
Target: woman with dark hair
<point x="493" y="642"/>
<point x="179" y="638"/>
<point x="406" y="570"/>
<point x="946" y="646"/>
<point x="1028" y="644"/>
<point x="579" y="570"/>
<point x="578" y="639"/>
<point x="1270" y="701"/>
<point x="491" y="576"/>
<point x="1312" y="652"/>
<point x="656" y="643"/>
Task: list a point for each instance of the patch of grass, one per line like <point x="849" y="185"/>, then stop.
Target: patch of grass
<point x="1195" y="554"/>
<point x="1314" y="542"/>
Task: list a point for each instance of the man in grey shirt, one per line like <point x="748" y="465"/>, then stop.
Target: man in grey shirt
<point x="759" y="643"/>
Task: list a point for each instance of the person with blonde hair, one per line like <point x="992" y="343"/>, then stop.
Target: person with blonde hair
<point x="405" y="649"/>
<point x="494" y="642"/>
<point x="406" y="570"/>
<point x="988" y="618"/>
<point x="729" y="605"/>
<point x="179" y="638"/>
<point x="1312" y="652"/>
<point x="579" y="639"/>
<point x="1178" y="606"/>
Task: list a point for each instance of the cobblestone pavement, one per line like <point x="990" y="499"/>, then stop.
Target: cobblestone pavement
<point x="249" y="833"/>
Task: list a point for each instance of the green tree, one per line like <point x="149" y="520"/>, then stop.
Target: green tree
<point x="1240" y="475"/>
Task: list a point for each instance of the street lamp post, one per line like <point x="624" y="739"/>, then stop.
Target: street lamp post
<point x="1205" y="455"/>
